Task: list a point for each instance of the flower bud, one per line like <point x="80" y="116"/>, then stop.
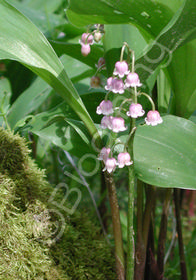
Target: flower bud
<point x="85" y="49"/>
<point x="135" y="111"/>
<point x="101" y="62"/>
<point x="87" y="38"/>
<point x="124" y="159"/>
<point x="95" y="82"/>
<point x="121" y="68"/>
<point x="97" y="36"/>
<point x="153" y="118"/>
<point x="105" y="108"/>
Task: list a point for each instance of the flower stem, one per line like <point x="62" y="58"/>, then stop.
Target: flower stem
<point x="135" y="95"/>
<point x="107" y="94"/>
<point x="133" y="62"/>
<point x="124" y="101"/>
<point x="3" y="114"/>
<point x="130" y="231"/>
<point x="6" y="122"/>
<point x="140" y="253"/>
<point x="149" y="98"/>
<point x="119" y="253"/>
<point x="5" y="119"/>
<point x="180" y="238"/>
<point x="143" y="230"/>
<point x="122" y="50"/>
<point x="129" y="137"/>
<point x="150" y="200"/>
<point x="163" y="231"/>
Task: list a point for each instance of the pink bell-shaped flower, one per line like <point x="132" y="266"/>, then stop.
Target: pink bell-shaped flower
<point x="121" y="69"/>
<point x="105" y="108"/>
<point x="132" y="80"/>
<point x="87" y="38"/>
<point x="85" y="49"/>
<point x="124" y="159"/>
<point x="117" y="86"/>
<point x="104" y="154"/>
<point x="110" y="165"/>
<point x="153" y="118"/>
<point x="118" y="124"/>
<point x="109" y="84"/>
<point x="106" y="122"/>
<point x="135" y="111"/>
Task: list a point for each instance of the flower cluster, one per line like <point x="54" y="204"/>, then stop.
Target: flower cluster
<point x="88" y="39"/>
<point x="116" y="84"/>
<point x="111" y="163"/>
<point x="121" y="80"/>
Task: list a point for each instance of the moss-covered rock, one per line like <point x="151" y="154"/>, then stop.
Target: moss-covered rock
<point x="28" y="224"/>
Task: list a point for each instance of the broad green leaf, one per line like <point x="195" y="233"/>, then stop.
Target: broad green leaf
<point x="70" y="31"/>
<point x="163" y="92"/>
<point x="42" y="18"/>
<point x="193" y="117"/>
<point x="66" y="133"/>
<point x="76" y="70"/>
<point x="180" y="30"/>
<point x="174" y="5"/>
<point x="45" y="5"/>
<point x="182" y="73"/>
<point x="39" y="91"/>
<point x="113" y="44"/>
<point x="28" y="101"/>
<point x="124" y="33"/>
<point x="165" y="155"/>
<point x="20" y="40"/>
<point x="152" y="16"/>
<point x="63" y="135"/>
<point x="74" y="50"/>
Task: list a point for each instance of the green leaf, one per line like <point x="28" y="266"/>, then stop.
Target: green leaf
<point x="74" y="50"/>
<point x="163" y="92"/>
<point x="39" y="91"/>
<point x="45" y="5"/>
<point x="76" y="70"/>
<point x="43" y="19"/>
<point x="180" y="30"/>
<point x="5" y="95"/>
<point x="165" y="154"/>
<point x="182" y="73"/>
<point x="150" y="15"/>
<point x="20" y="40"/>
<point x="28" y="101"/>
<point x="68" y="134"/>
<point x="193" y="117"/>
<point x="113" y="44"/>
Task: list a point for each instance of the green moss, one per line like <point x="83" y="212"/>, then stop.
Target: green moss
<point x="28" y="224"/>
